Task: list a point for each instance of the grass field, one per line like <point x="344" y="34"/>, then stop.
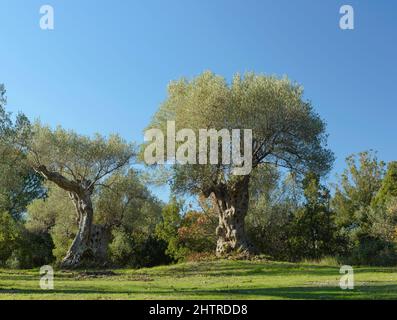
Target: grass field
<point x="205" y="280"/>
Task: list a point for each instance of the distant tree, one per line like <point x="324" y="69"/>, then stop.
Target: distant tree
<point x="363" y="208"/>
<point x="126" y="207"/>
<point x="167" y="229"/>
<point x="78" y="164"/>
<point x="388" y="189"/>
<point x="314" y="227"/>
<point x="357" y="188"/>
<point x="383" y="221"/>
<point x="19" y="184"/>
<point x="273" y="201"/>
<point x="124" y="201"/>
<point x="287" y="132"/>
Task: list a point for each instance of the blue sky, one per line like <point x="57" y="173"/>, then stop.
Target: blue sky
<point x="106" y="66"/>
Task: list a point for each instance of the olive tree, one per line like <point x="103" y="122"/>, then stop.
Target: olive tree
<point x="286" y="132"/>
<point x="79" y="164"/>
<point x="122" y="205"/>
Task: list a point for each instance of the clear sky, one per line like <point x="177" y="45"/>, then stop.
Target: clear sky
<point x="106" y="66"/>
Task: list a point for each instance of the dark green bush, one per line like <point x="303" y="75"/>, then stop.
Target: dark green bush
<point x="373" y="252"/>
<point x="137" y="250"/>
<point x="33" y="250"/>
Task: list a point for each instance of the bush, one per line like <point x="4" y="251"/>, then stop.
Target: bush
<point x="121" y="247"/>
<point x="197" y="232"/>
<point x="373" y="240"/>
<point x="10" y="236"/>
<point x="149" y="251"/>
<point x="20" y="248"/>
<point x="34" y="250"/>
<point x="187" y="234"/>
<point x="62" y="239"/>
<point x="167" y="230"/>
<point x="373" y="252"/>
<point x="137" y="250"/>
<point x="269" y="230"/>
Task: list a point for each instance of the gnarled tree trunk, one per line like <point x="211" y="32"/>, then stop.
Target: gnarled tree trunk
<point x="80" y="249"/>
<point x="89" y="247"/>
<point x="231" y="202"/>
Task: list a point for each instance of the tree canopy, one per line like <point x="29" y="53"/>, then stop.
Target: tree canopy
<point x="286" y="130"/>
<point x="77" y="158"/>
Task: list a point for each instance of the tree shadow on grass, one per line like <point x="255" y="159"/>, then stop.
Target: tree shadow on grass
<point x="240" y="270"/>
<point x="33" y="277"/>
<point x="260" y="269"/>
<point x="319" y="292"/>
<point x="304" y="292"/>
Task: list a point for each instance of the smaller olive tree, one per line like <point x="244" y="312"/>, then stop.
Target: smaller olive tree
<point x="78" y="164"/>
<point x="123" y="207"/>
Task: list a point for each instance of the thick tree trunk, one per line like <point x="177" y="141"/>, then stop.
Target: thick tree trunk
<point x="231" y="202"/>
<point x="89" y="247"/>
<point x="81" y="247"/>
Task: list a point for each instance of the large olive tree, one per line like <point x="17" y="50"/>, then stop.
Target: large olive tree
<point x="78" y="164"/>
<point x="286" y="132"/>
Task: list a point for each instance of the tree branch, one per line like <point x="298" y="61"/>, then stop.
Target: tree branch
<point x="58" y="179"/>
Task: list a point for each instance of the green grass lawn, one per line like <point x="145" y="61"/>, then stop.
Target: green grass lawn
<point x="206" y="280"/>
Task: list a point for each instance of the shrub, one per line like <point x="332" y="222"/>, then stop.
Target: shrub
<point x="373" y="240"/>
<point x="269" y="230"/>
<point x="121" y="247"/>
<point x="10" y="235"/>
<point x="20" y="248"/>
<point x="373" y="252"/>
<point x="167" y="230"/>
<point x="33" y="250"/>
<point x="197" y="232"/>
<point x="62" y="237"/>
<point x="187" y="234"/>
<point x="149" y="251"/>
<point x="137" y="250"/>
